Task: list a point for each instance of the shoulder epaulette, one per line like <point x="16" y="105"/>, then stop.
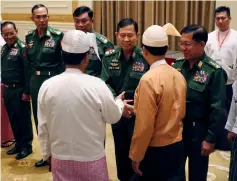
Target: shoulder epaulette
<point x="212" y="63"/>
<point x="138" y="51"/>
<point x="21" y="43"/>
<point x="101" y="38"/>
<point x="30" y="32"/>
<point x="179" y="59"/>
<point x="55" y="31"/>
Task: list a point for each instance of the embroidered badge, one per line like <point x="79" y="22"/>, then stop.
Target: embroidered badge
<point x="200" y="76"/>
<point x="49" y="43"/>
<point x="13" y="51"/>
<point x="114" y="64"/>
<point x="138" y="66"/>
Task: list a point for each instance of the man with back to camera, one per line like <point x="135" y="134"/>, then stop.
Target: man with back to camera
<point x="83" y="20"/>
<point x="73" y="110"/>
<point x="159" y="104"/>
<point x="44" y="55"/>
<point x="222" y="47"/>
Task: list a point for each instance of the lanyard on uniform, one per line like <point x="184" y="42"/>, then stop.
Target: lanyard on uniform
<point x="222" y="42"/>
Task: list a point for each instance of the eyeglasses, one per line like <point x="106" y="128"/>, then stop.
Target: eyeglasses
<point x="186" y="44"/>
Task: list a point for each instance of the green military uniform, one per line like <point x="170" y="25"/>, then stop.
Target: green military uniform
<point x="121" y="75"/>
<point x="15" y="77"/>
<point x="44" y="55"/>
<point x="94" y="66"/>
<point x="204" y="107"/>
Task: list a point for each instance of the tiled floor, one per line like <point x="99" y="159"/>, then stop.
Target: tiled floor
<point x="24" y="170"/>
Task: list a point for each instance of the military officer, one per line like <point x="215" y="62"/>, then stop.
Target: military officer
<point x="83" y="20"/>
<point x="205" y="100"/>
<point x="44" y="55"/>
<point x="122" y="69"/>
<point x="15" y="77"/>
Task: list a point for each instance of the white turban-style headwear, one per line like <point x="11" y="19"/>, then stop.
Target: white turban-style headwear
<point x="77" y="41"/>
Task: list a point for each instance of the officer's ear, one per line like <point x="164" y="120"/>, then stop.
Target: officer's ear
<point x="116" y="34"/>
<point x="203" y="44"/>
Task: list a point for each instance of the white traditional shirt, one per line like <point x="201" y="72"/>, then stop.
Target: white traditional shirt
<point x="231" y="124"/>
<point x="225" y="54"/>
<point x="73" y="109"/>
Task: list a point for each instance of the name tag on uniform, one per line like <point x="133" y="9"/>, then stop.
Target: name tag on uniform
<point x="49" y="43"/>
<point x="13" y="51"/>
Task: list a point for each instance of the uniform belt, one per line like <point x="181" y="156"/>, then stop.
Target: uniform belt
<point x="11" y="85"/>
<point x="44" y="73"/>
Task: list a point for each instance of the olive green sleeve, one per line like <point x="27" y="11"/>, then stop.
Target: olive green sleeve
<point x="105" y="75"/>
<point x="27" y="71"/>
<point x="217" y="94"/>
<point x="62" y="64"/>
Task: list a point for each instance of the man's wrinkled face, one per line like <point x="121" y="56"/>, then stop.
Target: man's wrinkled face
<point x="190" y="48"/>
<point x="40" y="18"/>
<point x="83" y="22"/>
<point x="127" y="37"/>
<point x="222" y="21"/>
<point x="9" y="34"/>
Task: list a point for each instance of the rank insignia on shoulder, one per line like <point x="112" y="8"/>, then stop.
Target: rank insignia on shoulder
<point x="103" y="39"/>
<point x="214" y="64"/>
<point x="30" y="44"/>
<point x="200" y="76"/>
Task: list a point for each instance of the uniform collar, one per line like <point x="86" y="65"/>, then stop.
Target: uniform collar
<point x="157" y="63"/>
<point x="120" y="50"/>
<point x="199" y="63"/>
<point x="47" y="32"/>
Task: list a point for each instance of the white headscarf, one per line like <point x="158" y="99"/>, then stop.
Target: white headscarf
<point x="77" y="41"/>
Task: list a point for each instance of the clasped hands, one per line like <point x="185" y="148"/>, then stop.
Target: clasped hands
<point x="128" y="110"/>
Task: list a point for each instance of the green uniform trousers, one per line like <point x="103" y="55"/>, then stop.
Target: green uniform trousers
<point x="19" y="113"/>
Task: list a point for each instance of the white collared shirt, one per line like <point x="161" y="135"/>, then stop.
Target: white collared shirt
<point x="73" y="109"/>
<point x="157" y="63"/>
<point x="226" y="56"/>
<point x="231" y="124"/>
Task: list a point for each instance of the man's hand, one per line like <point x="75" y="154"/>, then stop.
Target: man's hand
<point x="25" y="97"/>
<point x="135" y="166"/>
<point x="207" y="148"/>
<point x="128" y="110"/>
<point x="120" y="96"/>
<point x="231" y="136"/>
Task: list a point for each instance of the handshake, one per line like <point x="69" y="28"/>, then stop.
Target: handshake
<point x="128" y="110"/>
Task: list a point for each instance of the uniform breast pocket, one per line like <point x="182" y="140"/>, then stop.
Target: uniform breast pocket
<point x="134" y="79"/>
<point x="48" y="54"/>
<point x="31" y="53"/>
<point x="196" y="91"/>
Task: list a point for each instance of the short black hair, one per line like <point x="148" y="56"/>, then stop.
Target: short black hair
<point x="199" y="32"/>
<point x="81" y="10"/>
<point x="156" y="51"/>
<point x="223" y="9"/>
<point x="126" y="22"/>
<point x="37" y="6"/>
<point x="73" y="58"/>
<point x="8" y="23"/>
